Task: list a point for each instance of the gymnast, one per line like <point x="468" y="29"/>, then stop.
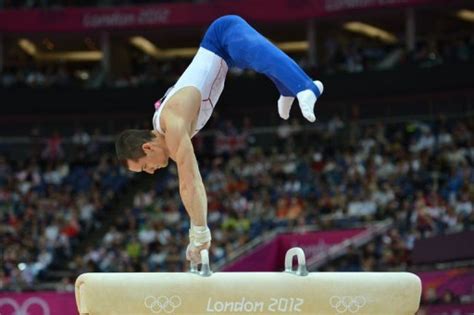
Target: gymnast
<point x="186" y="107"/>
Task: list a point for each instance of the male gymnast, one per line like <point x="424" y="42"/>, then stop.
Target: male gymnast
<point x="184" y="110"/>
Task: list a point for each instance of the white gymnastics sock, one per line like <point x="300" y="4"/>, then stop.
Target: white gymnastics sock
<point x="284" y="106"/>
<point x="305" y="97"/>
<point x="306" y="100"/>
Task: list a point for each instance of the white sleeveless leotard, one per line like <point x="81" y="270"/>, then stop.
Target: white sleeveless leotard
<point x="207" y="73"/>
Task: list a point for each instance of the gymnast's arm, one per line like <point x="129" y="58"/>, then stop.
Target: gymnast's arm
<point x="191" y="187"/>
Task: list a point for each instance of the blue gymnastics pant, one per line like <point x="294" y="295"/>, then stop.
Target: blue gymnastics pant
<point x="241" y="46"/>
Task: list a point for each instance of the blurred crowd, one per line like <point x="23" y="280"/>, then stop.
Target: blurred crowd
<point x="49" y="204"/>
<point x="340" y="55"/>
<point x="358" y="54"/>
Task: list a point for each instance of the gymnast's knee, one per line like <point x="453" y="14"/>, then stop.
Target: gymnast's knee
<point x="228" y="20"/>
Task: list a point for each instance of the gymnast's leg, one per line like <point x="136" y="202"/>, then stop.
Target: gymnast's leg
<point x="242" y="46"/>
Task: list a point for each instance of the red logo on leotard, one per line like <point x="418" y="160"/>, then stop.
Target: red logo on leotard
<point x="157" y="104"/>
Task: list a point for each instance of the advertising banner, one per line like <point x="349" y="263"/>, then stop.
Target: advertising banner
<point x="181" y="14"/>
<point x="270" y="256"/>
<point x="443" y="248"/>
<point x="37" y="303"/>
<point x="451" y="309"/>
<point x="457" y="281"/>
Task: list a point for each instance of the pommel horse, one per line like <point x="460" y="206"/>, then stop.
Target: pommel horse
<point x="289" y="292"/>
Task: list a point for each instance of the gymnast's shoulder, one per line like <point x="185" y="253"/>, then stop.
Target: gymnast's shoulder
<point x="181" y="110"/>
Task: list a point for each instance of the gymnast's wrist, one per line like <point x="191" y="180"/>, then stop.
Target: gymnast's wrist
<point x="199" y="235"/>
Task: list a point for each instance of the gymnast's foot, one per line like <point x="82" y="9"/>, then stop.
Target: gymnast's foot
<point x="284" y="106"/>
<point x="306" y="98"/>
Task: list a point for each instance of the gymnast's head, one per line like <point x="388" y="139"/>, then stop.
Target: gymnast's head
<point x="141" y="150"/>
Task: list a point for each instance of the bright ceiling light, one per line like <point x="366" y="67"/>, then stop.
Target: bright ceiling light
<point x="371" y="31"/>
<point x="466" y="15"/>
<point x="28" y="46"/>
<point x="149" y="48"/>
<point x="73" y="56"/>
<point x="294" y="46"/>
<point x="145" y="45"/>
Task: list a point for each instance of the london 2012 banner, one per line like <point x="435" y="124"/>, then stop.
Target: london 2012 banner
<point x="182" y="14"/>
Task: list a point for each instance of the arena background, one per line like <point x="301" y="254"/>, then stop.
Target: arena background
<point x="383" y="181"/>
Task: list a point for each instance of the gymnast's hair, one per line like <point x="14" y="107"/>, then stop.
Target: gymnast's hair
<point x="128" y="144"/>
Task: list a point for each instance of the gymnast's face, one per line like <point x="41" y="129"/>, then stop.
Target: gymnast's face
<point x="156" y="157"/>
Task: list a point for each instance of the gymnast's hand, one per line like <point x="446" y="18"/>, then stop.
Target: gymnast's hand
<point x="193" y="253"/>
<point x="199" y="239"/>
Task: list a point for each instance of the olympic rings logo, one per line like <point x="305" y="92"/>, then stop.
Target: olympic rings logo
<point x="163" y="304"/>
<point x="22" y="308"/>
<point x="344" y="304"/>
